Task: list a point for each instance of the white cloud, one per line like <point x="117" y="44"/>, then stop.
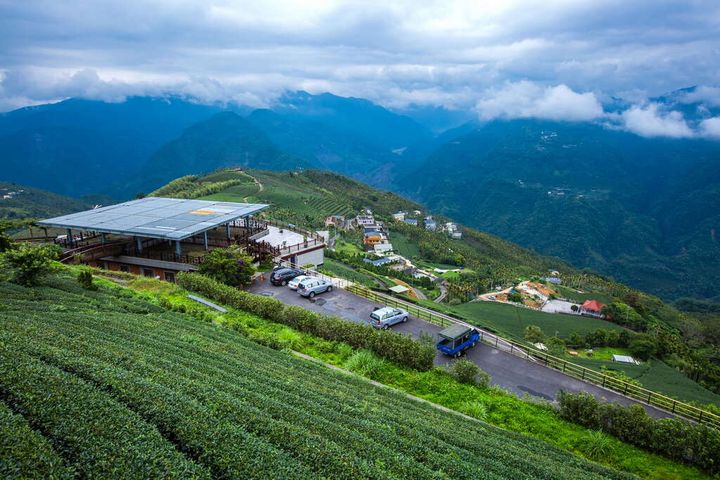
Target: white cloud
<point x="710" y="127"/>
<point x="650" y="121"/>
<point x="709" y="96"/>
<point x="526" y="99"/>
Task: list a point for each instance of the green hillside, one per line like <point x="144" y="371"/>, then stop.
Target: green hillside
<point x="642" y="210"/>
<point x="139" y="392"/>
<point x="26" y="202"/>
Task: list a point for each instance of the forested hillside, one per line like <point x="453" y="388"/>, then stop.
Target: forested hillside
<point x="642" y="210"/>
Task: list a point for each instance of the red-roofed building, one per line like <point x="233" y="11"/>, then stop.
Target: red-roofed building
<point x="592" y="308"/>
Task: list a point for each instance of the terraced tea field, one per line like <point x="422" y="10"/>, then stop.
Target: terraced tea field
<point x="105" y="385"/>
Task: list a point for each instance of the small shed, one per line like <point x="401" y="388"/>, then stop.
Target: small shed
<point x="625" y="359"/>
<point x="399" y="289"/>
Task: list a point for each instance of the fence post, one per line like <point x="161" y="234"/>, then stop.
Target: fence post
<point x="496" y="341"/>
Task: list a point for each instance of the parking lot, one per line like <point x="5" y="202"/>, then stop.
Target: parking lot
<point x="519" y="376"/>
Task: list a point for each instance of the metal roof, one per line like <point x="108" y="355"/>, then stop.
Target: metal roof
<point x="155" y="217"/>
<point x="454" y="331"/>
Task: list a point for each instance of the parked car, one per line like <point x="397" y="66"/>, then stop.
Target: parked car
<point x="455" y="340"/>
<point x="386" y="317"/>
<point x="293" y="284"/>
<point x="312" y="286"/>
<point x="282" y="276"/>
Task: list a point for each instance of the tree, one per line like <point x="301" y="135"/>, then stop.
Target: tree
<point x="643" y="347"/>
<point x="26" y="263"/>
<point x="556" y="346"/>
<point x="231" y="266"/>
<point x="534" y="334"/>
<point x="85" y="279"/>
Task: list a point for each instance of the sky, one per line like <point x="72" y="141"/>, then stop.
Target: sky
<point x="557" y="59"/>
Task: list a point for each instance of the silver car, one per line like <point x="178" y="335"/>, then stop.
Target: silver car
<point x="386" y="317"/>
<point x="312" y="286"/>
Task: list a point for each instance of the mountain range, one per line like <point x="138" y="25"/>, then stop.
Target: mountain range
<point x="642" y="210"/>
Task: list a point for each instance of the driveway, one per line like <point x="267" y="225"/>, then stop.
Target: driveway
<point x="517" y="375"/>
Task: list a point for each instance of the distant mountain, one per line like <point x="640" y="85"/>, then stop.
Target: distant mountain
<point x="76" y="147"/>
<point x="19" y="201"/>
<point x="645" y="211"/>
<point x="224" y="140"/>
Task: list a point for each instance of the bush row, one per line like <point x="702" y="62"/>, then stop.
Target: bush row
<point x="392" y="346"/>
<point x="96" y="432"/>
<point x="24" y="452"/>
<point x="695" y="444"/>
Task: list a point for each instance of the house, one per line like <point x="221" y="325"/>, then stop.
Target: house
<point x="379" y="262"/>
<point x="430" y="224"/>
<point x="411" y="221"/>
<point x="370" y="239"/>
<point x="553" y="280"/>
<point x="334" y="221"/>
<point x="363" y="220"/>
<point x="456" y="235"/>
<point x="417" y="212"/>
<point x="625" y="359"/>
<point x="383" y="248"/>
<point x="399" y="216"/>
<point x="592" y="308"/>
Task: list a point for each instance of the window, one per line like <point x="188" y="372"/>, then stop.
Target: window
<point x="124" y="268"/>
<point x="148" y="272"/>
<point x="170" y="276"/>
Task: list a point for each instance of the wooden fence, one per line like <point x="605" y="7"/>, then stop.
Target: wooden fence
<point x="641" y="394"/>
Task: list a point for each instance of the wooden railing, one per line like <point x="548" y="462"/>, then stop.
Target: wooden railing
<point x="630" y="390"/>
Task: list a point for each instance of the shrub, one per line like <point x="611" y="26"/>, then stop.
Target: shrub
<point x="365" y="363"/>
<point x="27" y="263"/>
<point x="673" y="438"/>
<point x="464" y="371"/>
<point x="597" y="445"/>
<point x="389" y="345"/>
<point x="643" y="347"/>
<point x="85" y="279"/>
<point x="474" y="409"/>
<point x="534" y="334"/>
<point x="230" y="266"/>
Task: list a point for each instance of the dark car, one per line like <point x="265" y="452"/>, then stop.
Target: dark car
<point x="282" y="276"/>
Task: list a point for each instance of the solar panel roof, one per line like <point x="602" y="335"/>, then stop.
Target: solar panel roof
<point x="154" y="217"/>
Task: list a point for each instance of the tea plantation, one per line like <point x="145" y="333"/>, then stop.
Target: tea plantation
<point x="102" y="384"/>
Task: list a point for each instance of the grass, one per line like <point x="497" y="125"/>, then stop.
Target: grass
<point x="537" y="420"/>
<point x="577" y="297"/>
<point x="403" y="245"/>
<point x="339" y="269"/>
<point x="512" y="320"/>
<point x="601" y="353"/>
<point x="658" y="376"/>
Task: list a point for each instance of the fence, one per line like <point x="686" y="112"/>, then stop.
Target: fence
<point x="568" y="368"/>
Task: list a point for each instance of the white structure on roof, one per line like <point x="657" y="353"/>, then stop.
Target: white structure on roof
<point x="365" y="220"/>
<point x="399" y="216"/>
<point x="383" y="248"/>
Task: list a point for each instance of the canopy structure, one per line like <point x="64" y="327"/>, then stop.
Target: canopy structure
<point x="154" y="217"/>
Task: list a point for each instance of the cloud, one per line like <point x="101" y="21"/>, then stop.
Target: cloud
<point x="709" y="96"/>
<point x="432" y="52"/>
<point x="650" y="121"/>
<point x="710" y="127"/>
<point x="526" y="99"/>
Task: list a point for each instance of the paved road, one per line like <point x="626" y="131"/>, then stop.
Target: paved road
<point x="519" y="376"/>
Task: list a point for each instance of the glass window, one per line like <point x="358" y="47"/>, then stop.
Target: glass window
<point x="170" y="276"/>
<point x="148" y="272"/>
<point x="124" y="268"/>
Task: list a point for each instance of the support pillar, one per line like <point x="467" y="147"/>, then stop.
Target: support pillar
<point x="102" y="236"/>
<point x="138" y="244"/>
<point x="206" y="240"/>
<point x="227" y="230"/>
<point x="178" y="248"/>
<point x="70" y="238"/>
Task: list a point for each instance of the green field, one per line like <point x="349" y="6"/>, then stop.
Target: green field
<point x="513" y="320"/>
<point x="658" y="376"/>
<point x="574" y="296"/>
<point x="403" y="245"/>
<point x="116" y="387"/>
<point x="340" y="270"/>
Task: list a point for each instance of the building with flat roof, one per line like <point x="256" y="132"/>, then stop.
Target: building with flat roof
<point x="153" y="235"/>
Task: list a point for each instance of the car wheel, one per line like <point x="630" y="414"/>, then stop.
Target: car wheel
<point x="386" y="326"/>
<point x="457" y="355"/>
<point x="284" y="282"/>
<point x="473" y="344"/>
<point x="329" y="289"/>
<point x="312" y="294"/>
<point x="404" y="319"/>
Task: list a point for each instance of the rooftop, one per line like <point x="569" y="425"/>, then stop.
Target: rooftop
<point x="154" y="217"/>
